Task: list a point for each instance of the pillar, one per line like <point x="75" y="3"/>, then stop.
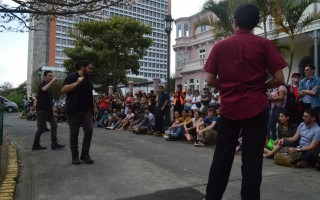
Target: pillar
<point x="156" y="83"/>
<point x="130" y="85"/>
<point x="110" y="92"/>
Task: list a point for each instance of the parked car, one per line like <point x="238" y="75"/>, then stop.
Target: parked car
<point x="9" y="105"/>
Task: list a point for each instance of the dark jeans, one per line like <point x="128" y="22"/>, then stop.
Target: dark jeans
<point x="42" y="118"/>
<point x="159" y="122"/>
<point x="253" y="141"/>
<point x="273" y="120"/>
<point x="77" y="120"/>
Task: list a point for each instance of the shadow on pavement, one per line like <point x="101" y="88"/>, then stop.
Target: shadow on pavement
<point x="173" y="194"/>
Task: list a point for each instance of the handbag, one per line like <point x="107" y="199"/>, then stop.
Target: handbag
<point x="287" y="158"/>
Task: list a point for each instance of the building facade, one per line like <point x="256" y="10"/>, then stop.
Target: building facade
<point x="192" y="49"/>
<point x="46" y="46"/>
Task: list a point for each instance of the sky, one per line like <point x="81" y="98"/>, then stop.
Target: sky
<point x="14" y="46"/>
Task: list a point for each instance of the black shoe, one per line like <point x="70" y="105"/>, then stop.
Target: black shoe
<point x="86" y="159"/>
<point x="76" y="161"/>
<point x="38" y="147"/>
<point x="56" y="145"/>
<point x="47" y="129"/>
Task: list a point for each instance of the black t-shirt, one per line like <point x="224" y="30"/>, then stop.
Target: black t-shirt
<point x="206" y="103"/>
<point x="44" y="98"/>
<point x="162" y="97"/>
<point x="79" y="99"/>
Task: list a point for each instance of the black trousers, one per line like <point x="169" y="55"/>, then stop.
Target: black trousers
<point x="42" y="118"/>
<point x="159" y="120"/>
<point x="253" y="140"/>
<point x="77" y="120"/>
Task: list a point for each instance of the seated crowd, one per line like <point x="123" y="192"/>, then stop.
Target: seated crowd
<point x="196" y="121"/>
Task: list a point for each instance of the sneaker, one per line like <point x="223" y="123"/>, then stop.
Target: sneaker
<point x="302" y="164"/>
<point x="76" y="161"/>
<point x="86" y="159"/>
<point x="166" y="136"/>
<point x="201" y="144"/>
<point x="38" y="147"/>
<point x="56" y="145"/>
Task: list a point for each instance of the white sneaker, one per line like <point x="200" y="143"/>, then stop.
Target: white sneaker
<point x="166" y="136"/>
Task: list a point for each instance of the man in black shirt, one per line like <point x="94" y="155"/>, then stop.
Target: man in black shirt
<point x="45" y="112"/>
<point x="161" y="111"/>
<point x="80" y="108"/>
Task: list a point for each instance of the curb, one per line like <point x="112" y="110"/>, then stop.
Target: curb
<point x="9" y="181"/>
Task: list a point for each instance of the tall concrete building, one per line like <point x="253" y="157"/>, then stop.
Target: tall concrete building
<point x="46" y="46"/>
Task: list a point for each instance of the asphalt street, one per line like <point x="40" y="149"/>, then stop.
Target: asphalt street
<point x="136" y="167"/>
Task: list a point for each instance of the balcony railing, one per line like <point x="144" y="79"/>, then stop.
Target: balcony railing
<point x="193" y="65"/>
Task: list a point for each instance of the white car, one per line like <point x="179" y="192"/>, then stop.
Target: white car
<point x="9" y="105"/>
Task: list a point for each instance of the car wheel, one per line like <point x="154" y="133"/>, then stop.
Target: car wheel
<point x="10" y="109"/>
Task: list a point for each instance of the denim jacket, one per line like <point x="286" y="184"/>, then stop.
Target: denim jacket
<point x="314" y="81"/>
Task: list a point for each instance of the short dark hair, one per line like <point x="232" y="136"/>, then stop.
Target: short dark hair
<point x="82" y="63"/>
<point x="311" y="111"/>
<point x="310" y="65"/>
<point x="45" y="73"/>
<point x="161" y="86"/>
<point x="179" y="86"/>
<point x="247" y="16"/>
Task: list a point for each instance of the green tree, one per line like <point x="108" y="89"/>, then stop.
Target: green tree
<point x="114" y="47"/>
<point x="290" y="19"/>
<point x="222" y="24"/>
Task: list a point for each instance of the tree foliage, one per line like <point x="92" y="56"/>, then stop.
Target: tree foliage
<point x="113" y="46"/>
<point x="290" y="18"/>
<point x="14" y="94"/>
<point x="23" y="11"/>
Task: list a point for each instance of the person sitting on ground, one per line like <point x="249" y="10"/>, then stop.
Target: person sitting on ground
<point x="207" y="129"/>
<point x="150" y="117"/>
<point x="145" y="124"/>
<point x="115" y="120"/>
<point x="285" y="129"/>
<point x="175" y="121"/>
<point x="176" y="131"/>
<point x="104" y="119"/>
<point x="190" y="126"/>
<point x="126" y="121"/>
<point x="308" y="135"/>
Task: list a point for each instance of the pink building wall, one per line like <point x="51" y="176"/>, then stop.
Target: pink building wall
<point x="192" y="49"/>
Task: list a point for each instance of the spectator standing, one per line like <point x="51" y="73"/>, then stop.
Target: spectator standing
<point x="162" y="101"/>
<point x="241" y="79"/>
<point x="294" y="88"/>
<point x="80" y="108"/>
<point x="45" y="113"/>
<point x="309" y="90"/>
<point x="196" y="101"/>
<point x="278" y="101"/>
<point x="205" y="100"/>
<point x="188" y="100"/>
<point x="178" y="100"/>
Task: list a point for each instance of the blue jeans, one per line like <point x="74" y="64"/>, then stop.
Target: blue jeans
<point x="176" y="132"/>
<point x="273" y="120"/>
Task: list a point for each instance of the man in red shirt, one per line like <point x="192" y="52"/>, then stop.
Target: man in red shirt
<point x="238" y="66"/>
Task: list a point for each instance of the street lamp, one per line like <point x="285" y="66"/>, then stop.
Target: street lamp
<point x="168" y="27"/>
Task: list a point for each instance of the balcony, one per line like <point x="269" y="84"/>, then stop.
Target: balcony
<point x="194" y="65"/>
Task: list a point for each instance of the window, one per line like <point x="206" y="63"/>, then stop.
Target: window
<point x="202" y="53"/>
<point x="203" y="29"/>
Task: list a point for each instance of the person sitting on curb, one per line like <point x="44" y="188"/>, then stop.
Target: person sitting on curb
<point x="308" y="135"/>
<point x="285" y="129"/>
<point x="207" y="129"/>
<point x="177" y="129"/>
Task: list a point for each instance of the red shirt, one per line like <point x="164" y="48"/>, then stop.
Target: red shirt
<point x="241" y="62"/>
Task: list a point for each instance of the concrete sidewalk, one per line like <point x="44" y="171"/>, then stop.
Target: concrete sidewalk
<point x="138" y="167"/>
